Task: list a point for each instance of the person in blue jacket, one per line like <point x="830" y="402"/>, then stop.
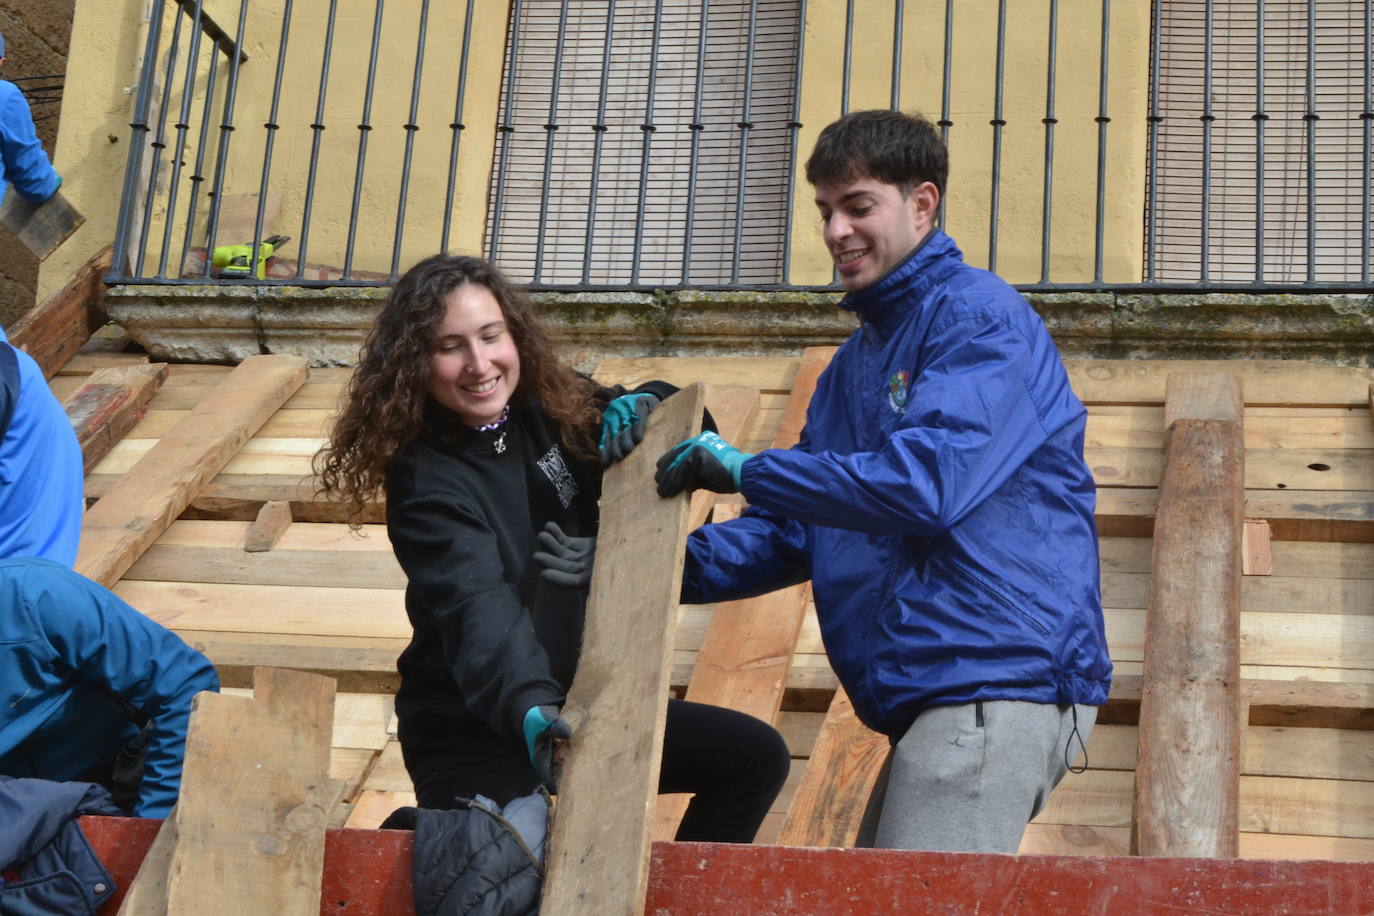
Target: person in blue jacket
<point x="939" y="503"/>
<point x="42" y="478"/>
<point x="22" y="160"/>
<point x="88" y="686"/>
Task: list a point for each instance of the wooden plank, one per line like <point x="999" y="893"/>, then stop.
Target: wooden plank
<point x="358" y="665"/>
<point x="1186" y="780"/>
<point x="1256" y="556"/>
<point x="838" y="781"/>
<point x="54" y="330"/>
<point x="1279" y="382"/>
<point x="131" y="515"/>
<point x="766" y="373"/>
<point x="41" y="226"/>
<point x="599" y="842"/>
<point x="104" y="409"/>
<point x="374" y="806"/>
<point x="254" y="797"/>
<point x="147" y="893"/>
<point x="272" y="521"/>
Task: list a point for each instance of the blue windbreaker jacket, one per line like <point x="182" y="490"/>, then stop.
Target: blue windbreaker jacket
<point x="22" y="160"/>
<point x="42" y="480"/>
<point x="939" y="502"/>
<point x="79" y="670"/>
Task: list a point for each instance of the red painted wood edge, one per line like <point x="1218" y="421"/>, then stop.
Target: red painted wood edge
<point x="367" y="873"/>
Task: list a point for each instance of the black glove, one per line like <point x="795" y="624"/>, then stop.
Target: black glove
<point x="705" y="460"/>
<point x="542" y="727"/>
<point x="622" y="425"/>
<point x="564" y="561"/>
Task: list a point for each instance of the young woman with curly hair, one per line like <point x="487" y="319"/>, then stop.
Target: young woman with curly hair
<point x="485" y="445"/>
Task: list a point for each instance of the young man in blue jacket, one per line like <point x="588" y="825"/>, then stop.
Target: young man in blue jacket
<point x="939" y="503"/>
<point x="22" y="160"/>
<point x="85" y="680"/>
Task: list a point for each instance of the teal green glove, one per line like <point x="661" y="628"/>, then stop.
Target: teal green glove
<point x="622" y="425"/>
<point x="542" y="727"/>
<point x="706" y="460"/>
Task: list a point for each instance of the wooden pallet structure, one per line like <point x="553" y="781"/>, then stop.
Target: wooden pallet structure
<point x="1236" y="513"/>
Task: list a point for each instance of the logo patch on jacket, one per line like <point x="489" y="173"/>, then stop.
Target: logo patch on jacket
<point x="897" y="390"/>
<point x="556" y="469"/>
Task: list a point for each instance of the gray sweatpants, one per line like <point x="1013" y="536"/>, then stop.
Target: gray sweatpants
<point x="969" y="778"/>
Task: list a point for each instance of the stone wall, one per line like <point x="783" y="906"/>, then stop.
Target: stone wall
<point x="37" y="33"/>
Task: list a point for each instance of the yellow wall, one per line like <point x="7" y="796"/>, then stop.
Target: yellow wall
<point x="972" y="104"/>
<point x="107" y="44"/>
<point x="106" y="47"/>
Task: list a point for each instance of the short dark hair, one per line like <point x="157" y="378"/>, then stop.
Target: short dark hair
<point x="891" y="146"/>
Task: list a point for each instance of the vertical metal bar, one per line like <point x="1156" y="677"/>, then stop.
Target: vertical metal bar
<point x="1152" y="186"/>
<point x="648" y="128"/>
<point x="1207" y="118"/>
<point x="793" y="126"/>
<point x="364" y="128"/>
<point x="271" y="127"/>
<point x="410" y="128"/>
<point x="1049" y="120"/>
<point x="898" y="15"/>
<point x="696" y="128"/>
<point x="599" y="131"/>
<point x="134" y="163"/>
<point x="997" y="122"/>
<point x="1259" y="117"/>
<point x="457" y="127"/>
<point x="1311" y="118"/>
<point x="226" y="130"/>
<point x="745" y="125"/>
<point x="1367" y="117"/>
<point x="317" y="135"/>
<point x="197" y="176"/>
<point x="182" y="126"/>
<point x="1102" y="121"/>
<point x="848" y="55"/>
<point x="945" y="122"/>
<point x="550" y="128"/>
<point x="159" y="143"/>
<point x="506" y="128"/>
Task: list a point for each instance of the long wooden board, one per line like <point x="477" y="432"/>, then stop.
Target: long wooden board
<point x="598" y="859"/>
<point x="108" y="406"/>
<point x="134" y="511"/>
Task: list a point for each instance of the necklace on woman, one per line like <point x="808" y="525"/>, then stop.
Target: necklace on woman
<point x="500" y="444"/>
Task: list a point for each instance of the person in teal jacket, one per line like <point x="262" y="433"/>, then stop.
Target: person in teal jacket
<point x="22" y="160"/>
<point x="938" y="501"/>
<point x="88" y="686"/>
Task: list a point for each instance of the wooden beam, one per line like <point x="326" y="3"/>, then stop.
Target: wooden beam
<point x="839" y="778"/>
<point x="61" y="324"/>
<point x="108" y="406"/>
<point x="598" y="859"/>
<point x="1187" y="779"/>
<point x="255" y="790"/>
<point x="140" y="506"/>
<point x="272" y="521"/>
<point x="1258" y="560"/>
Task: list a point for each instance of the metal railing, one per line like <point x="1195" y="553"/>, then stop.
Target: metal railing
<point x="635" y="146"/>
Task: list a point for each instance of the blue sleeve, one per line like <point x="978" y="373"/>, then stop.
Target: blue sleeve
<point x="21" y="154"/>
<point x="747" y="556"/>
<point x="970" y="424"/>
<point x="104" y="640"/>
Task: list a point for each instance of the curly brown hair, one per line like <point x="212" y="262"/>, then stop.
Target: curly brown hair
<point x="387" y="404"/>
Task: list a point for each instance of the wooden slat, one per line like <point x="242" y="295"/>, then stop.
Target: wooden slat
<point x="1185" y="801"/>
<point x="599" y="843"/>
<point x="131" y="515"/>
<point x="272" y="521"/>
<point x="839" y="779"/>
<point x="1284" y="382"/>
<point x="104" y="409"/>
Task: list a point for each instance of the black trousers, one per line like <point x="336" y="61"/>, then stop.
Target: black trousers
<point x="734" y="765"/>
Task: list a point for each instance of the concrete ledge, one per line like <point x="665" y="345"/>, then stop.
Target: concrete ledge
<point x="225" y="324"/>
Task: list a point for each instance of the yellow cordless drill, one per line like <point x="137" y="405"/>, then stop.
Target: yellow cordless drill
<point x="233" y="260"/>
